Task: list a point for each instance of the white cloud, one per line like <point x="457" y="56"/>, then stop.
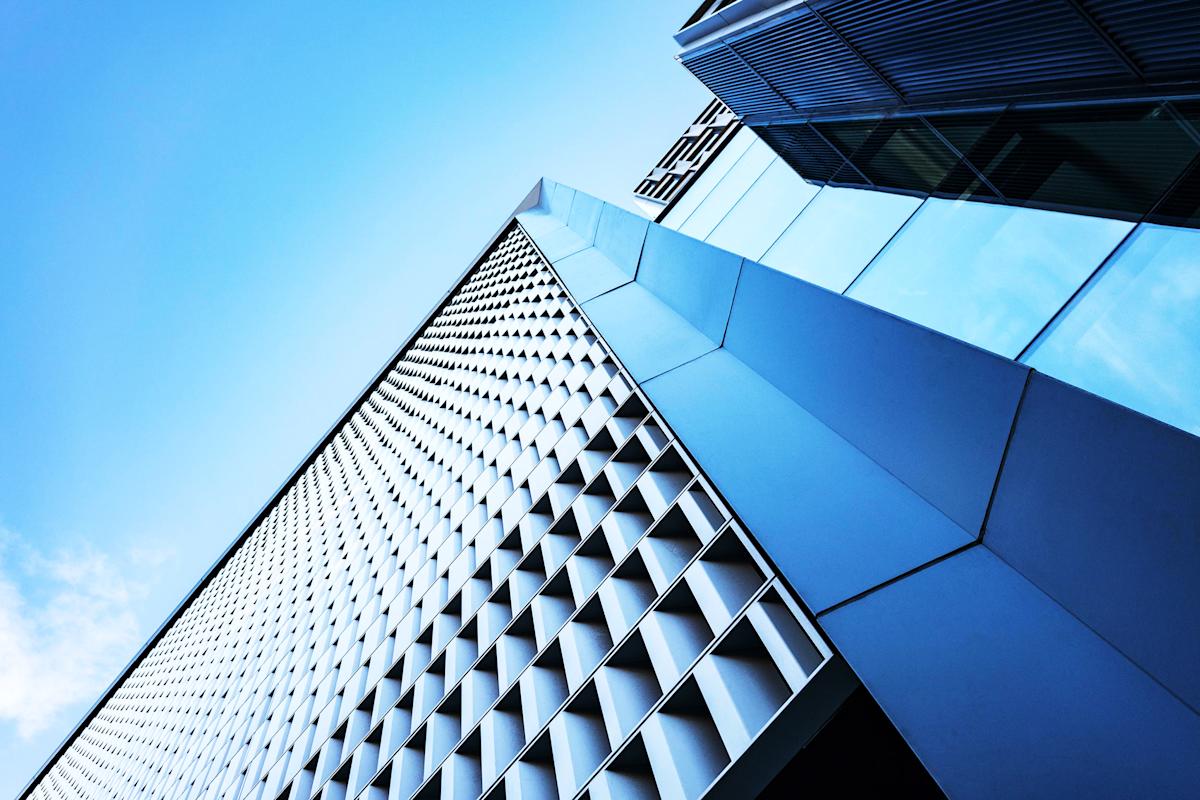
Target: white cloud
<point x="67" y="626"/>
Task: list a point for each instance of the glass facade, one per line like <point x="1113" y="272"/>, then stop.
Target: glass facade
<point x="764" y="211"/>
<point x="703" y="185"/>
<point x="725" y="195"/>
<point x="988" y="274"/>
<point x="992" y="274"/>
<point x="838" y="234"/>
<point x="1133" y="334"/>
<point x="1117" y="159"/>
<point x="983" y="270"/>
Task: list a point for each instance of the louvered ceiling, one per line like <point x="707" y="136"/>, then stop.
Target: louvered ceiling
<point x="845" y="54"/>
<point x="1083" y="105"/>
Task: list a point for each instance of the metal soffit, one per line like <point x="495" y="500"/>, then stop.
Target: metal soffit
<point x="838" y="53"/>
<point x="1082" y="105"/>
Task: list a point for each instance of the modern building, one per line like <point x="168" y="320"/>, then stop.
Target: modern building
<point x="926" y="143"/>
<point x="868" y="462"/>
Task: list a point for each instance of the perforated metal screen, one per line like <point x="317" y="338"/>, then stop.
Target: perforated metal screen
<point x="502" y="577"/>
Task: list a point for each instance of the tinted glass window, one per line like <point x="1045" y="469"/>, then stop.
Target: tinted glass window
<point x="1110" y="159"/>
<point x="1114" y="158"/>
<point x="1182" y="205"/>
<point x="809" y="153"/>
<point x="898" y="153"/>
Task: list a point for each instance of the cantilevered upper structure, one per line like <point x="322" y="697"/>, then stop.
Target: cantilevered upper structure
<point x="869" y="462"/>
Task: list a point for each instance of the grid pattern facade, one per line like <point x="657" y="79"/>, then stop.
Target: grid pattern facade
<point x="688" y="156"/>
<point x="501" y="577"/>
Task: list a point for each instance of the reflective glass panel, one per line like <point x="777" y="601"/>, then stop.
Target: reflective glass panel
<point x="838" y="234"/>
<point x="726" y="193"/>
<point x="894" y="153"/>
<point x="1182" y="205"/>
<point x="1116" y="157"/>
<point x="753" y="225"/>
<point x="1133" y="335"/>
<point x="807" y="151"/>
<point x="710" y="177"/>
<point x="988" y="274"/>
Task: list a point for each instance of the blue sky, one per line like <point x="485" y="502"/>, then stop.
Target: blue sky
<point x="219" y="221"/>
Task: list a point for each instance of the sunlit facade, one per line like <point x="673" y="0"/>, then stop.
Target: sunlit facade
<point x="867" y="460"/>
<point x="500" y="575"/>
<point x="982" y="171"/>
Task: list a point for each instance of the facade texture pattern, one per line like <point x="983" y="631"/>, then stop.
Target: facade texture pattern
<point x="1006" y="562"/>
<point x="688" y="157"/>
<point x="1085" y="106"/>
<point x="501" y="576"/>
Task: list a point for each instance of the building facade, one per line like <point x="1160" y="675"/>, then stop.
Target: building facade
<point x="500" y="575"/>
<point x="1023" y="176"/>
<point x="869" y="461"/>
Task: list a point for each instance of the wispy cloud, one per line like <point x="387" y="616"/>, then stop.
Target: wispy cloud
<point x="67" y="625"/>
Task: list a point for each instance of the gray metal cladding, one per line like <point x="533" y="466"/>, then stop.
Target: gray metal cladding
<point x="729" y="78"/>
<point x="1161" y="36"/>
<point x="809" y="65"/>
<point x="935" y="49"/>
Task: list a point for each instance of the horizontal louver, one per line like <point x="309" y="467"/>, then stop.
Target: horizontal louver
<point x="731" y="80"/>
<point x="1161" y="36"/>
<point x="803" y="60"/>
<point x="931" y="49"/>
<point x="886" y="53"/>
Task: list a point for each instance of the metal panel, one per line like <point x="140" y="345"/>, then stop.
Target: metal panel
<point x="1098" y="507"/>
<point x="934" y="412"/>
<point x="500" y="576"/>
<point x="847" y="440"/>
<point x="590" y="273"/>
<point x="834" y="522"/>
<point x="693" y="278"/>
<point x="651" y="337"/>
<point x="1002" y="693"/>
